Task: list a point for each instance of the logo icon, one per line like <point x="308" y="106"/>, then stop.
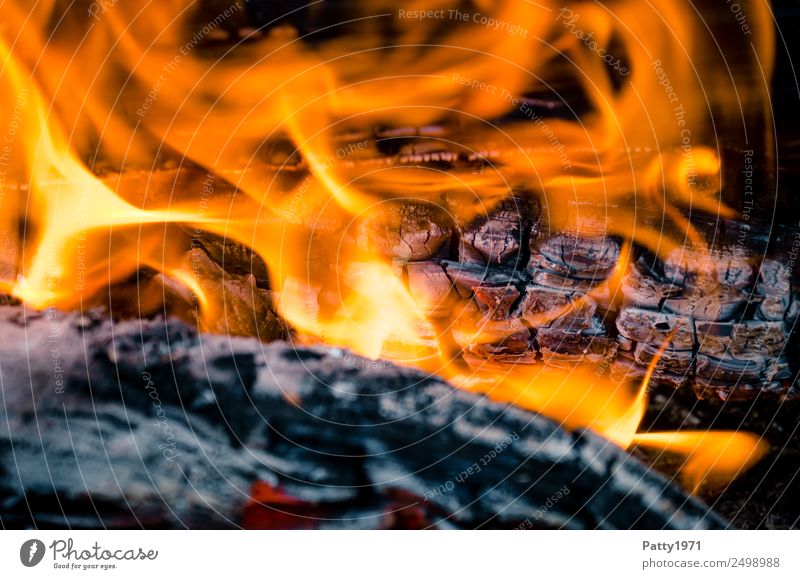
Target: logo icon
<point x="31" y="553"/>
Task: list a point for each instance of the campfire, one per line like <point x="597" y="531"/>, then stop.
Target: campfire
<point x="482" y="229"/>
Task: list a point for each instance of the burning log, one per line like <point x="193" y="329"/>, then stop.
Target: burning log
<point x="149" y="423"/>
<point x="247" y="309"/>
<point x="726" y="331"/>
<point x="522" y="296"/>
<point x="407" y="231"/>
<point x="499" y="237"/>
<point x="509" y="293"/>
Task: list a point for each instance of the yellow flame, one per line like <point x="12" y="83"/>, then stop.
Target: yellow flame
<point x="134" y="83"/>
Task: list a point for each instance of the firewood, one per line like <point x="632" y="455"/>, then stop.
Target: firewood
<point x="405" y="230"/>
<point x="165" y="427"/>
<point x="501" y="236"/>
<point x="724" y="316"/>
<point x="713" y="310"/>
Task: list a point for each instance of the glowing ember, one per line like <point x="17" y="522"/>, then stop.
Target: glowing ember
<point x="125" y="88"/>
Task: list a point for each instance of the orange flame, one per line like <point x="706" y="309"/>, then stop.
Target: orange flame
<point x="137" y="85"/>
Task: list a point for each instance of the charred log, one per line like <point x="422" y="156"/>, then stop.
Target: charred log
<point x="151" y="424"/>
<point x="728" y="316"/>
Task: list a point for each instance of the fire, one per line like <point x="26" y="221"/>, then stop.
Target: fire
<point x="120" y="87"/>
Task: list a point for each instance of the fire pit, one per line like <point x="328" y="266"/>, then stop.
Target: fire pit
<point x="276" y="265"/>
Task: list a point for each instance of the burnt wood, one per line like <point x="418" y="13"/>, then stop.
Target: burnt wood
<point x="148" y="423"/>
<point x="542" y="295"/>
<point x="727" y="316"/>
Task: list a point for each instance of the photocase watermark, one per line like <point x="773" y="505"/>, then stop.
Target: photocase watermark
<point x="208" y="28"/>
<point x="492" y="89"/>
<point x="14" y="124"/>
<point x="298" y="199"/>
<point x="551" y="501"/>
<point x="524" y="108"/>
<point x="679" y="112"/>
<point x="360" y="363"/>
<point x="548" y="133"/>
<point x="98" y="8"/>
<point x="604" y="366"/>
<point x="202" y="208"/>
<point x="740" y="16"/>
<point x="794" y="252"/>
<point x="473" y="469"/>
<point x="168" y="69"/>
<point x="65" y="555"/>
<point x="84" y="210"/>
<point x="169" y="449"/>
<point x="494" y="24"/>
<point x="53" y="341"/>
<point x="569" y="19"/>
<point x="422" y="14"/>
<point x="748" y="202"/>
<point x="152" y="95"/>
<point x="31" y="552"/>
<point x="95" y="556"/>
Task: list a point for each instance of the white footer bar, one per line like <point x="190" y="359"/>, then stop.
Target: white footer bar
<point x="399" y="554"/>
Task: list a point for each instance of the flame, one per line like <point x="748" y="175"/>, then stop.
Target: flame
<point x="135" y="86"/>
<point x="583" y="398"/>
